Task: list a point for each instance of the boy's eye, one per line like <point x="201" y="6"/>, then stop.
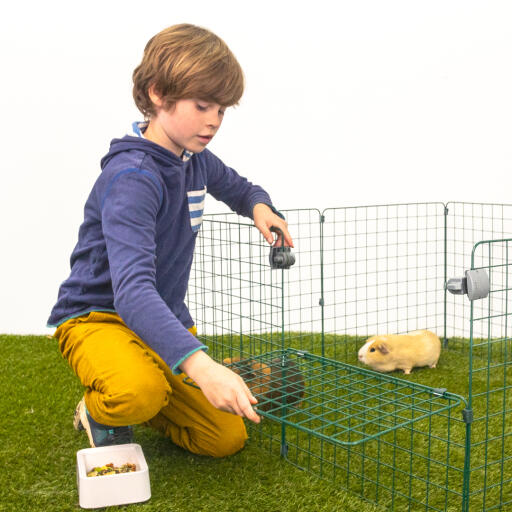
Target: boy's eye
<point x="204" y="107"/>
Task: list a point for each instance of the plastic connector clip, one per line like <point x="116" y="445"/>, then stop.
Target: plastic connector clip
<point x="280" y="256"/>
<point x="475" y="284"/>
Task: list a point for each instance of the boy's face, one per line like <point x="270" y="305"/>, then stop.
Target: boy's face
<point x="190" y="124"/>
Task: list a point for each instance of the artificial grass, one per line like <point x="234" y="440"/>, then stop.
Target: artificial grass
<point x="38" y="452"/>
<point x="420" y="466"/>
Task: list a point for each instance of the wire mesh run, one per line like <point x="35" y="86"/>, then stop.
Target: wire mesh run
<point x="400" y="442"/>
<point x="466" y="225"/>
<point x="383" y="272"/>
<point x="334" y="401"/>
<point x="234" y="297"/>
<point x="490" y="478"/>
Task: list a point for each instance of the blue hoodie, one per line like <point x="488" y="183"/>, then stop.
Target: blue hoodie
<point x="135" y="245"/>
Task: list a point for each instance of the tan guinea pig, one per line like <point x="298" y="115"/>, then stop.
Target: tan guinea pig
<point x="401" y="351"/>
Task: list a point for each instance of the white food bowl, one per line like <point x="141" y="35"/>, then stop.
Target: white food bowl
<point x="106" y="490"/>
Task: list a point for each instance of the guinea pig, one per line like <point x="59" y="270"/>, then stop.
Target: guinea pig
<point x="266" y="381"/>
<point x="391" y="352"/>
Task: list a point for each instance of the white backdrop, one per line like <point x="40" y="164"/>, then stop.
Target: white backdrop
<point x="347" y="103"/>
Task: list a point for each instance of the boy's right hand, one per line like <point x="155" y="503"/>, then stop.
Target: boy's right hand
<point x="223" y="388"/>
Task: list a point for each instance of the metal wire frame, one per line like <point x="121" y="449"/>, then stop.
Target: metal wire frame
<point x="334" y="401"/>
<point x="235" y="300"/>
<point x="466" y="225"/>
<point x="489" y="479"/>
<point x="383" y="271"/>
<point x="307" y="309"/>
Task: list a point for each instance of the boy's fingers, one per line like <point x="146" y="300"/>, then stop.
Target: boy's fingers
<point x="266" y="234"/>
<point x="235" y="409"/>
<point x="249" y="394"/>
<point x="283" y="226"/>
<point x="246" y="408"/>
<point x="287" y="238"/>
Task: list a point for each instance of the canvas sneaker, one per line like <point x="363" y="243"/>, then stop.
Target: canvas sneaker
<point x="98" y="434"/>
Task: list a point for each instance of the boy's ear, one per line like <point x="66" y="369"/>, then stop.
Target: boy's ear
<point x="155" y="97"/>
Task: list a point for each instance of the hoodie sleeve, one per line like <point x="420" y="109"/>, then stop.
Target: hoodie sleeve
<point x="129" y="211"/>
<point x="226" y="185"/>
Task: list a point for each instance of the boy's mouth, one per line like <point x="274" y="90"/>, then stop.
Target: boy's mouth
<point x="205" y="138"/>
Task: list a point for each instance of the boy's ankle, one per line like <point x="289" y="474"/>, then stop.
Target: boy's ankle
<point x="105" y="435"/>
<point x="99" y="434"/>
<point x="95" y="423"/>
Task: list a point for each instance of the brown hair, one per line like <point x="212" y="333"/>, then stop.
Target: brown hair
<point x="185" y="61"/>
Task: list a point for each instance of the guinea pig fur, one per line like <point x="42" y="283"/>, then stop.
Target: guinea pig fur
<point x="390" y="352"/>
<point x="266" y="381"/>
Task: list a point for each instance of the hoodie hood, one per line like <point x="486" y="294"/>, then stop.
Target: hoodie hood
<point x="135" y="140"/>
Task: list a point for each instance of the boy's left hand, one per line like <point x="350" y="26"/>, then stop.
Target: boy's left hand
<point x="265" y="218"/>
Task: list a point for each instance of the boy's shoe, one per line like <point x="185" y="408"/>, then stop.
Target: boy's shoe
<point x="98" y="434"/>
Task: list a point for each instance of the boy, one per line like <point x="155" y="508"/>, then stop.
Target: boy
<point x="121" y="319"/>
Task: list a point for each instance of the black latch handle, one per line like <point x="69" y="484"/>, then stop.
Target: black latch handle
<point x="280" y="255"/>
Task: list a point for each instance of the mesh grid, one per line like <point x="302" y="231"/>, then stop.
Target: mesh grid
<point x="383" y="271"/>
<point x="491" y="358"/>
<point x="334" y="401"/>
<point x="234" y="297"/>
<point x="364" y="271"/>
<point x="468" y="224"/>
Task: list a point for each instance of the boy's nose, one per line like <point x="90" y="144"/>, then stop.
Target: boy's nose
<point x="214" y="120"/>
<point x="214" y="123"/>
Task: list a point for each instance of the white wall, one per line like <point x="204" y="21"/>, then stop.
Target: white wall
<point x="346" y="103"/>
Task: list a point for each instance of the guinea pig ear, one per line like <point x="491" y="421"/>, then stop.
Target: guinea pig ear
<point x="230" y="360"/>
<point x="383" y="348"/>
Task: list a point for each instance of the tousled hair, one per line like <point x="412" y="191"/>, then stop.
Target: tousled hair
<point x="185" y="61"/>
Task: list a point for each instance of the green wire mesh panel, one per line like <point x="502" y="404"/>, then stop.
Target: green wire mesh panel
<point x="364" y="271"/>
<point x="335" y="401"/>
<point x="303" y="283"/>
<point x="383" y="269"/>
<point x="233" y="295"/>
<point x="393" y="442"/>
<point x="490" y="483"/>
<point x="467" y="224"/>
<point x="236" y="299"/>
<point x="221" y="239"/>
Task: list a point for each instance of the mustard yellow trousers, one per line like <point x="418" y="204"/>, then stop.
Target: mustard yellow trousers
<point x="127" y="383"/>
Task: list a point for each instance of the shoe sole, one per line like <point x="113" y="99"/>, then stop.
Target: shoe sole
<point x="80" y="421"/>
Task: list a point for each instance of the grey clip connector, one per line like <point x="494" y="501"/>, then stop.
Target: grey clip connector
<point x="476" y="284"/>
<point x="280" y="256"/>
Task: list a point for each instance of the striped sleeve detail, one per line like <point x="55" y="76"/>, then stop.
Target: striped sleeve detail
<point x="196" y="200"/>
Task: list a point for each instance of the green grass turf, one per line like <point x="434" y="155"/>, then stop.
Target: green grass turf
<point x="424" y="460"/>
<point x="38" y="447"/>
<point x="38" y="452"/>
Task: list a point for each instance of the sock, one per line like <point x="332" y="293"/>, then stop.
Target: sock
<point x="96" y="424"/>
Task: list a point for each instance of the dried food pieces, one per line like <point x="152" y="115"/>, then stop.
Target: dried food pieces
<point x="110" y="469"/>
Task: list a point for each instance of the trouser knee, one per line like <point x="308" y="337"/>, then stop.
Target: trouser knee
<point x="230" y="441"/>
<point x="135" y="402"/>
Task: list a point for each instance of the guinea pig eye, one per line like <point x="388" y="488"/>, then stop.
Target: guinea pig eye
<point x="372" y="349"/>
